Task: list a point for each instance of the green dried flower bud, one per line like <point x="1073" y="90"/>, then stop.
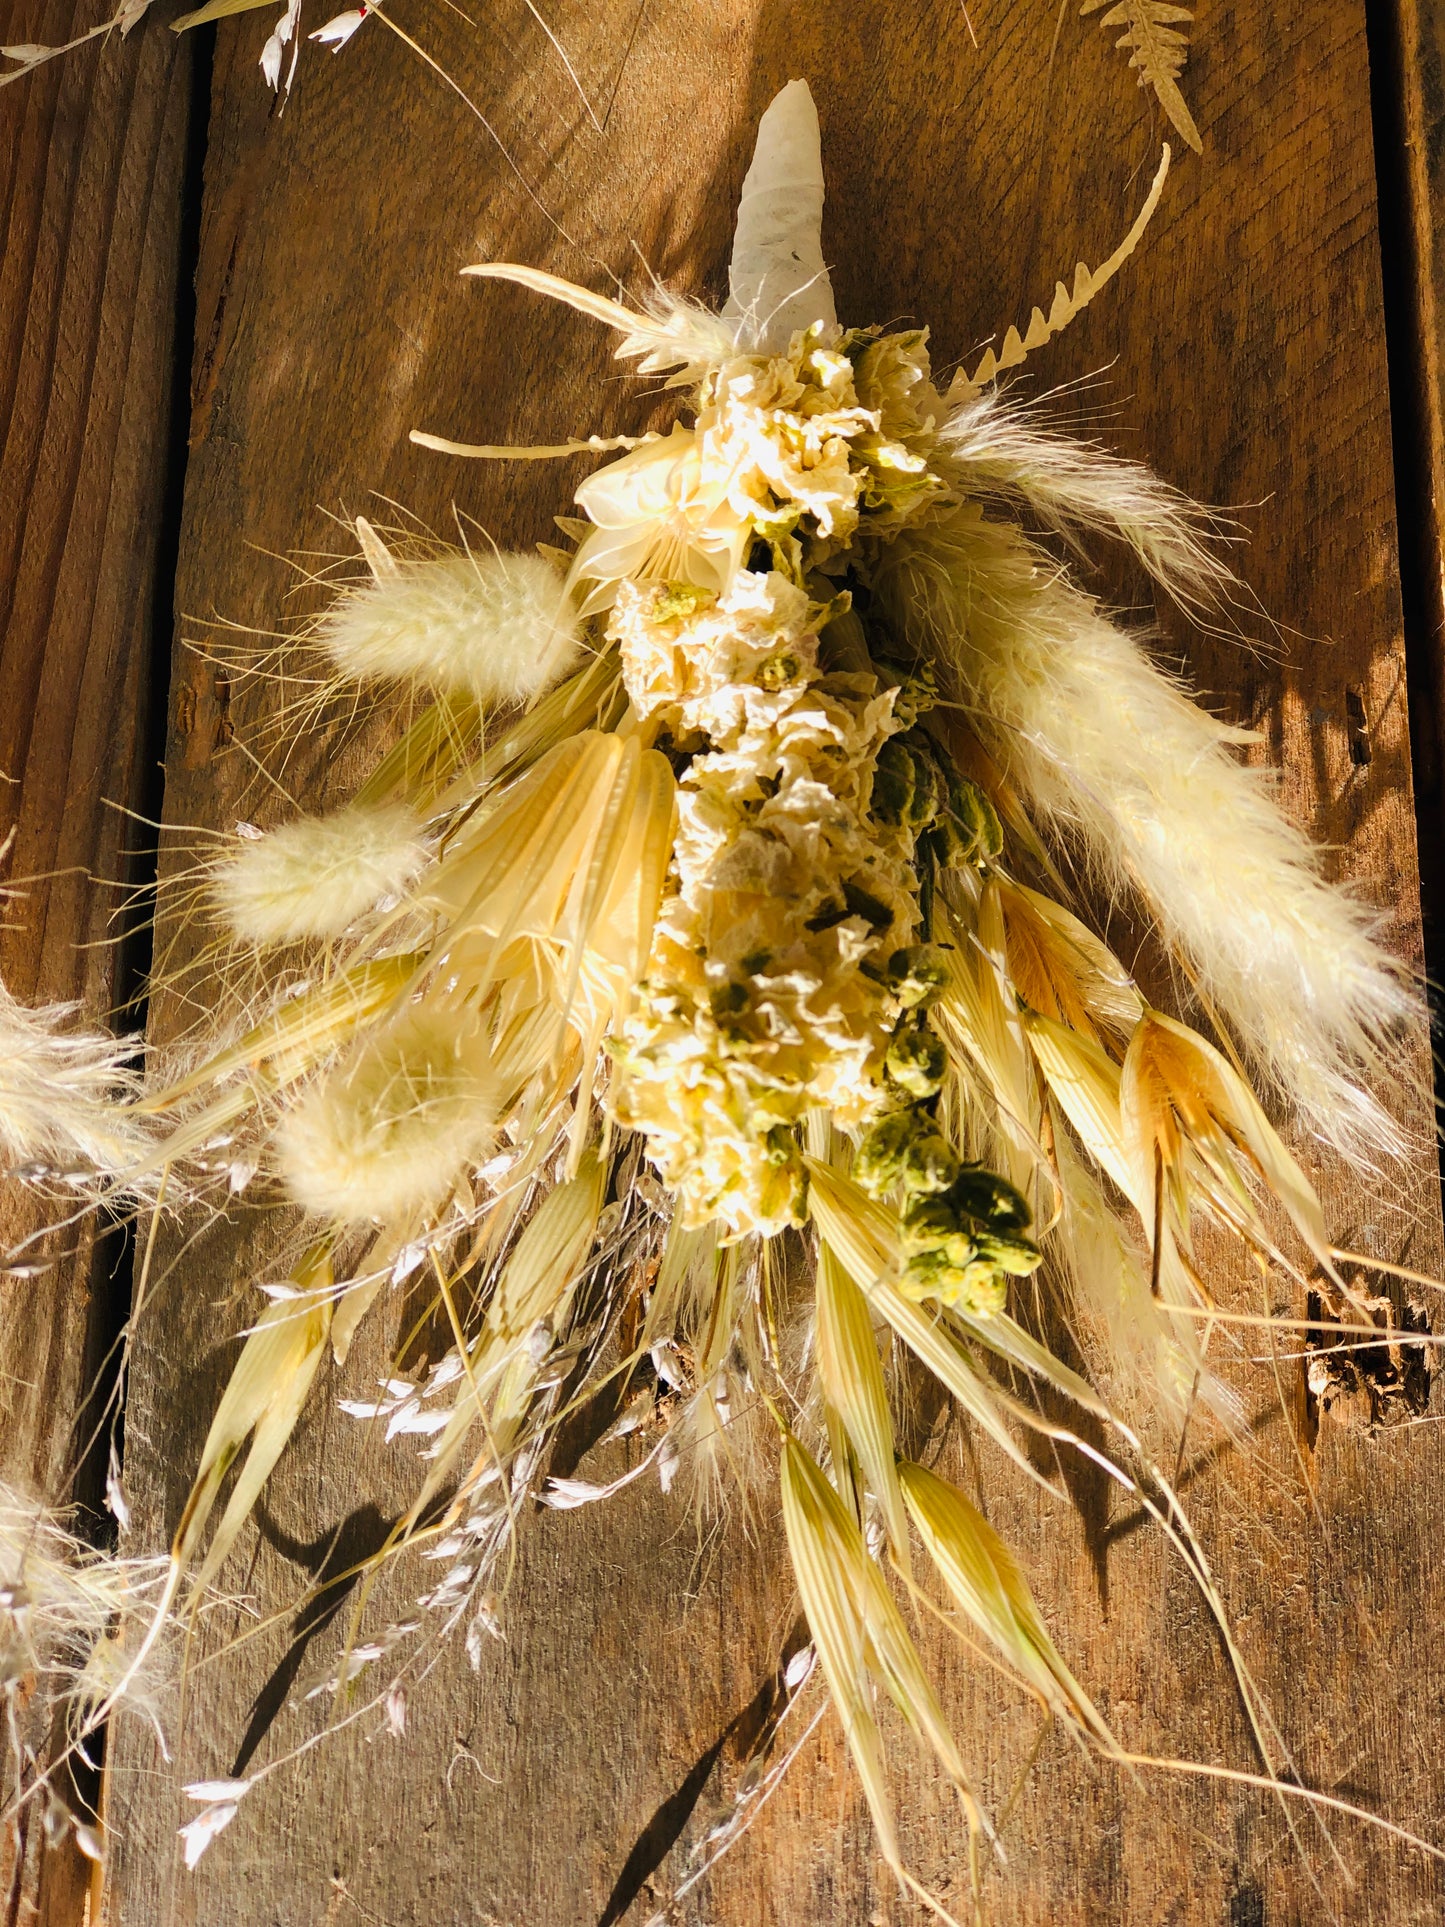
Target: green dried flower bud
<point x="917" y="975"/>
<point x="975" y="1286"/>
<point x="781" y="1146"/>
<point x="878" y="1163"/>
<point x="1015" y="1255"/>
<point x="976" y="822"/>
<point x="928" y="1163"/>
<point x="933" y="1224"/>
<point x="989" y="1199"/>
<point x="930" y="794"/>
<point x="676" y="601"/>
<point x="902" y="1149"/>
<point x="947" y="844"/>
<point x="894" y="779"/>
<point x="981" y="1290"/>
<point x="915" y="686"/>
<point x="778" y="671"/>
<point x="916" y="1061"/>
<point x="729" y="1000"/>
<point x="908" y="786"/>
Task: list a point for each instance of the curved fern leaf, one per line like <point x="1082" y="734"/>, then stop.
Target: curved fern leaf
<point x="1066" y="304"/>
<point x="1158" y="48"/>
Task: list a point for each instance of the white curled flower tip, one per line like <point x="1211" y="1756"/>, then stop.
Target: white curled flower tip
<point x="778" y="281"/>
<point x="223" y="1798"/>
<point x="659" y="517"/>
<point x="337" y="32"/>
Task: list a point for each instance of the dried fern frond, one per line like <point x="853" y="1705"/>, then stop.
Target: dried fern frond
<point x="1066" y="303"/>
<point x="1155" y="32"/>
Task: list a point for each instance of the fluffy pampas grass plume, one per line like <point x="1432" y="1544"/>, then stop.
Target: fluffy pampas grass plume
<point x="1114" y="757"/>
<point x="1004" y="454"/>
<point x="58" y="1091"/>
<point x="62" y="1643"/>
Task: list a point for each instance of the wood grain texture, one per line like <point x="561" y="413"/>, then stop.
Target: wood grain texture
<point x="92" y="158"/>
<point x="1245" y="358"/>
<point x="1410" y="96"/>
<point x="92" y="150"/>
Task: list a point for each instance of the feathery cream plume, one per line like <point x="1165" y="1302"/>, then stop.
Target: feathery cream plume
<point x="314" y="877"/>
<point x="497" y="627"/>
<point x="1114" y="757"/>
<point x="60" y="1095"/>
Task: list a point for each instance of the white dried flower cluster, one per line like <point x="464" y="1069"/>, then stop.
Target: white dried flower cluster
<point x="767" y="991"/>
<point x="808" y="450"/>
<point x="758" y="1005"/>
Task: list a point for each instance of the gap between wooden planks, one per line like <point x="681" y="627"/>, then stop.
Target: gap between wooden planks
<point x="93" y="157"/>
<point x="1250" y="368"/>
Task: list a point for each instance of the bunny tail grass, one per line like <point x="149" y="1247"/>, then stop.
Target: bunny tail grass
<point x="386" y="1134"/>
<point x="497" y="627"/>
<point x="316" y="876"/>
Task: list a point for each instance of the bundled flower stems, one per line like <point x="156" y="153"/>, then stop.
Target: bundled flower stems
<point x="694" y="997"/>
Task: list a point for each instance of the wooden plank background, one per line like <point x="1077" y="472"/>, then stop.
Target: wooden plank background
<point x="1245" y="357"/>
<point x="92" y="170"/>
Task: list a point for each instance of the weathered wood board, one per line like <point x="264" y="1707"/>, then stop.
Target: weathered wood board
<point x="92" y="161"/>
<point x="1245" y="356"/>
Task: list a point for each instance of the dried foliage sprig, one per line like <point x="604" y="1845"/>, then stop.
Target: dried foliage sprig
<point x="712" y="894"/>
<point x="65" y="1611"/>
<point x="1155" y="33"/>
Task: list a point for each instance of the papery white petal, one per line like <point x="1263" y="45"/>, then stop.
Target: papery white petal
<point x="777" y="279"/>
<point x="337" y="32"/>
<point x="217" y="1790"/>
<point x="201" y="1831"/>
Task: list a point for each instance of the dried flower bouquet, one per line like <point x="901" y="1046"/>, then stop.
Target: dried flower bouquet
<point x="695" y="993"/>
